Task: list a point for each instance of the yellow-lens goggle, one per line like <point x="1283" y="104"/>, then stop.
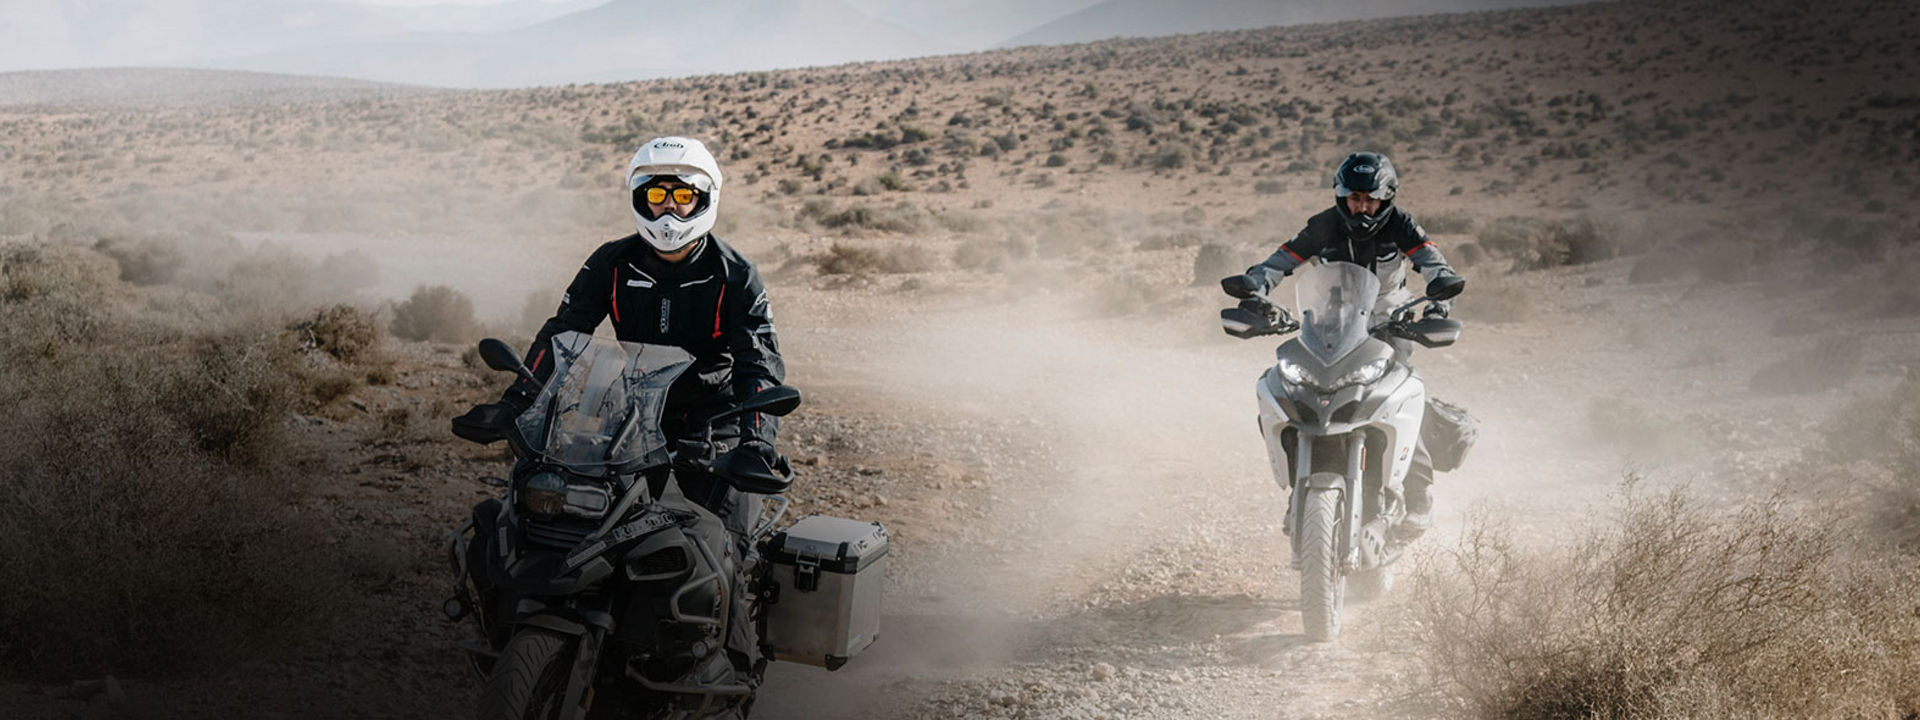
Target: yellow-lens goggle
<point x="680" y="195"/>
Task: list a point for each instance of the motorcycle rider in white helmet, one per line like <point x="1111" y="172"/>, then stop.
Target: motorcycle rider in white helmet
<point x="673" y="282"/>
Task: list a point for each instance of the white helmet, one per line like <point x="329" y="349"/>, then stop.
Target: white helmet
<point x="688" y="160"/>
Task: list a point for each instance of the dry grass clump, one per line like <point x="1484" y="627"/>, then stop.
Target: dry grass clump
<point x="903" y="217"/>
<point x="1674" y="611"/>
<point x="152" y="526"/>
<point x="345" y="332"/>
<point x="435" y="312"/>
<point x="1873" y="444"/>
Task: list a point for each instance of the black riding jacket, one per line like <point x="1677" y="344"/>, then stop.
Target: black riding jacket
<point x="711" y="304"/>
<point x="1399" y="241"/>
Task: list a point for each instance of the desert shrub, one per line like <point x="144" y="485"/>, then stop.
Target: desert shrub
<point x="1826" y="364"/>
<point x="438" y="313"/>
<point x="1269" y="186"/>
<point x="901" y="218"/>
<point x="1672" y="611"/>
<point x="347" y="333"/>
<point x="233" y="391"/>
<point x="155" y="526"/>
<point x="54" y="298"/>
<point x="143" y="261"/>
<point x="1873" y="443"/>
<point x="845" y="259"/>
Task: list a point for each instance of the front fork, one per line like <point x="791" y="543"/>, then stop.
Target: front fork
<point x="1305" y="480"/>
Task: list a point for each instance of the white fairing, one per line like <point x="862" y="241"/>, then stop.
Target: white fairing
<point x="1398" y="419"/>
<point x="690" y="161"/>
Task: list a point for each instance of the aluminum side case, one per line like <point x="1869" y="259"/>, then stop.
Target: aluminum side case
<point x="828" y="573"/>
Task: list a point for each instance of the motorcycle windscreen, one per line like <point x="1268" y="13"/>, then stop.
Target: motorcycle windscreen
<point x="597" y="384"/>
<point x="1335" y="300"/>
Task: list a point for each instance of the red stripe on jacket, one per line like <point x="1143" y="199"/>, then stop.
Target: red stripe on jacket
<point x="616" y="294"/>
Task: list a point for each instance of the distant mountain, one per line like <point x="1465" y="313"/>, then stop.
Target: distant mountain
<point x="1154" y="18"/>
<point x="59" y="34"/>
<point x="171" y="85"/>
<point x="620" y="40"/>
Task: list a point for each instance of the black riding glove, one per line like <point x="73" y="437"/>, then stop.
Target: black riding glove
<point x="492" y="421"/>
<point x="1437" y="309"/>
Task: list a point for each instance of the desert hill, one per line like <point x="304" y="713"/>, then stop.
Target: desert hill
<point x="1145" y="18"/>
<point x="176" y="86"/>
<point x="1705" y="108"/>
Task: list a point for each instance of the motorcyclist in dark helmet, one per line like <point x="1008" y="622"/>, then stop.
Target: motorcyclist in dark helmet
<point x="1366" y="228"/>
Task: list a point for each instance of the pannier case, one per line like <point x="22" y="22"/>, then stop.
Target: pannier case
<point x="827" y="576"/>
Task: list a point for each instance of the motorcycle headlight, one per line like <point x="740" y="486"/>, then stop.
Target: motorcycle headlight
<point x="1364" y="374"/>
<point x="1292" y="372"/>
<point x="544" y="494"/>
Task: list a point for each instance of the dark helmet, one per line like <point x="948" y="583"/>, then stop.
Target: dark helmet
<point x="1370" y="173"/>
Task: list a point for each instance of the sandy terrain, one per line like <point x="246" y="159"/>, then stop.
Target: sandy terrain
<point x="1023" y="383"/>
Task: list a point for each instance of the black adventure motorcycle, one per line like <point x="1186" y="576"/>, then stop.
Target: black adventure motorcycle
<point x="599" y="594"/>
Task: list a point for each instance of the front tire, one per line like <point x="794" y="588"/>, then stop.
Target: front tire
<point x="1322" y="587"/>
<point x="529" y="681"/>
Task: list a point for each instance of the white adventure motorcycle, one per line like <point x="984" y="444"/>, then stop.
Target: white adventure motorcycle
<point x="1342" y="412"/>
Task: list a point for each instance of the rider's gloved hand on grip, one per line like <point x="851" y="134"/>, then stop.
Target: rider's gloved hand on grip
<point x="753" y="466"/>
<point x="1240" y="286"/>
<point x="492" y="421"/>
<point x="1437" y="309"/>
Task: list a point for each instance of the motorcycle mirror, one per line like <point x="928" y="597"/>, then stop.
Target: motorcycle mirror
<point x="498" y="356"/>
<point x="1445" y="288"/>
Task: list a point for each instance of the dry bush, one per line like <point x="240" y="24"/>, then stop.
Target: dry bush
<point x="143" y="261"/>
<point x="347" y="333"/>
<point x="1873" y="444"/>
<point x="435" y="312"/>
<point x="1673" y="611"/>
<point x="54" y="297"/>
<point x="154" y="528"/>
<point x="901" y="217"/>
